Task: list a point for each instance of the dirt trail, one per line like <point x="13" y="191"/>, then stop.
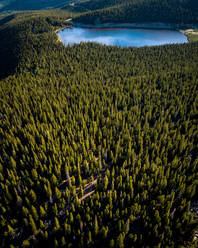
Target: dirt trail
<point x="88" y="190"/>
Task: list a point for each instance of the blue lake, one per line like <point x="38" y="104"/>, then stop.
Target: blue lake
<point x="124" y="37"/>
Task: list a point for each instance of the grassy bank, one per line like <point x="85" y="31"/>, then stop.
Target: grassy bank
<point x="192" y="35"/>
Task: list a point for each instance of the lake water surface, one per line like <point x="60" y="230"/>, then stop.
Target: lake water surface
<point x="124" y="37"/>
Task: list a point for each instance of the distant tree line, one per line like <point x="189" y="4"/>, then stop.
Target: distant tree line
<point x="138" y="11"/>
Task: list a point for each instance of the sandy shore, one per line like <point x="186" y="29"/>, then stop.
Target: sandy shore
<point x="189" y="31"/>
<point x="59" y="29"/>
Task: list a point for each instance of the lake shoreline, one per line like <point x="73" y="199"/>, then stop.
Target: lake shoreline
<point x="126" y="25"/>
<point x="123" y="37"/>
<point x="60" y="29"/>
<point x="155" y="25"/>
<point x="152" y="25"/>
<point x="190" y="34"/>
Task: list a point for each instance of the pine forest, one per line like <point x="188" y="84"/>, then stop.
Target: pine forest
<point x="98" y="144"/>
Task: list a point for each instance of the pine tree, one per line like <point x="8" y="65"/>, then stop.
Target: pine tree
<point x="63" y="242"/>
<point x="32" y="224"/>
<point x="56" y="224"/>
<point x="42" y="212"/>
<point x="96" y="225"/>
<point x="89" y="237"/>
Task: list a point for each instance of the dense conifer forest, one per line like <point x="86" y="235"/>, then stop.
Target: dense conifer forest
<point x="137" y="11"/>
<point x="98" y="144"/>
<point x="13" y="5"/>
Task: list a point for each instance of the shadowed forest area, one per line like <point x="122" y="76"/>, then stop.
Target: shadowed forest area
<point x="136" y="11"/>
<point x="18" y="5"/>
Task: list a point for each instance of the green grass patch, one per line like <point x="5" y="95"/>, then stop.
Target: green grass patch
<point x="192" y="37"/>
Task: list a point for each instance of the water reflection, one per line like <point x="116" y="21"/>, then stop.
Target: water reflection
<point x="122" y="36"/>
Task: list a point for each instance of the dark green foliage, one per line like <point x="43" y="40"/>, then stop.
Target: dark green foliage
<point x="8" y="5"/>
<point x="138" y="11"/>
<point x="83" y="6"/>
<point x="19" y="39"/>
<point x="98" y="144"/>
